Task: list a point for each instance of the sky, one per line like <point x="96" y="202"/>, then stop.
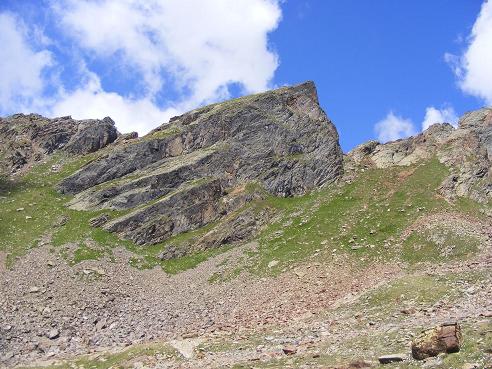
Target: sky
<point x="384" y="69"/>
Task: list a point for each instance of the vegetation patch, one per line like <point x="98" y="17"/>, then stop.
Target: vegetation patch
<point x="146" y="354"/>
<point x="438" y="244"/>
<point x="363" y="219"/>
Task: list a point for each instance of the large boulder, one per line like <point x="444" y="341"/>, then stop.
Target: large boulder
<point x="445" y="338"/>
<point x="281" y="140"/>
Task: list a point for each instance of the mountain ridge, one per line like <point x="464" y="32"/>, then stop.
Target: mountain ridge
<point x="239" y="234"/>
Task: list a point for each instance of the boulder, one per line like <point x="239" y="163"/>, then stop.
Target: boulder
<point x="445" y="338"/>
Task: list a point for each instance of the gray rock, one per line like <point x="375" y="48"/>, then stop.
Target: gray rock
<point x="178" y="177"/>
<point x="99" y="221"/>
<point x="53" y="334"/>
<point x="394" y="358"/>
<point x="29" y="138"/>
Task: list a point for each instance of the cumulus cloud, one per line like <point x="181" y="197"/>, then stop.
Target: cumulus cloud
<point x="434" y="115"/>
<point x="394" y="127"/>
<point x="91" y="101"/>
<point x="177" y="54"/>
<point x="474" y="67"/>
<point x="200" y="46"/>
<point x="21" y="67"/>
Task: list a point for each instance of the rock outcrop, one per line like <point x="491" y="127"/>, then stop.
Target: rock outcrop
<point x="466" y="150"/>
<point x="193" y="171"/>
<point x="25" y="139"/>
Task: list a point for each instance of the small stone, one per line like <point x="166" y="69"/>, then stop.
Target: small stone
<point x="53" y="334"/>
<point x="289" y="349"/>
<point x="28" y="217"/>
<point x="299" y="273"/>
<point x="273" y="263"/>
<point x="101" y="324"/>
<point x="34" y="289"/>
<point x="387" y="359"/>
<point x="19" y="209"/>
<point x="408" y="311"/>
<point x="55" y="168"/>
<point x="61" y="221"/>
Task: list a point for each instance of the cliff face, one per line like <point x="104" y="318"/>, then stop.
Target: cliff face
<point x="192" y="171"/>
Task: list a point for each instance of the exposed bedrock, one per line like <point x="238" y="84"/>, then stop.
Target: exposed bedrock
<point x="466" y="150"/>
<point x="25" y="139"/>
<point x="175" y="178"/>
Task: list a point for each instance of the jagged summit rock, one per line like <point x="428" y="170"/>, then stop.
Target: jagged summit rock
<point x="182" y="175"/>
<point x="29" y="138"/>
<point x="465" y="150"/>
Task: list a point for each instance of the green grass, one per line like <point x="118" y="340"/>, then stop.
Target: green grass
<point x="363" y="218"/>
<point x="170" y="131"/>
<point x="122" y="360"/>
<point x="411" y="291"/>
<point x="86" y="253"/>
<point x="36" y="194"/>
<point x="42" y="205"/>
<point x="437" y="245"/>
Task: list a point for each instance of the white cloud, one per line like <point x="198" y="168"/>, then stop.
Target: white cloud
<point x="91" y="101"/>
<point x="184" y="53"/>
<point x="474" y="67"/>
<point x="203" y="46"/>
<point x="394" y="127"/>
<point x="21" y="67"/>
<point x="445" y="115"/>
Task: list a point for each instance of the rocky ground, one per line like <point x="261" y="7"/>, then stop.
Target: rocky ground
<point x="186" y="249"/>
<point x="319" y="311"/>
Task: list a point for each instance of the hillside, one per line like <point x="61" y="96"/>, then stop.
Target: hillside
<point x="239" y="235"/>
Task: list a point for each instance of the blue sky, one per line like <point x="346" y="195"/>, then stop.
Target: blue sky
<point x="384" y="69"/>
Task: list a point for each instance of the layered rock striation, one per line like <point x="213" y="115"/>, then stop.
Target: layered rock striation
<point x="194" y="170"/>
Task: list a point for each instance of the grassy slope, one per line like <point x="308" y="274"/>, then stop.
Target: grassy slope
<point x="43" y="207"/>
<point x="362" y="219"/>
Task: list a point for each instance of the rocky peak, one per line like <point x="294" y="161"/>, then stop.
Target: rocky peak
<point x="466" y="150"/>
<point x="193" y="170"/>
<point x="29" y="138"/>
